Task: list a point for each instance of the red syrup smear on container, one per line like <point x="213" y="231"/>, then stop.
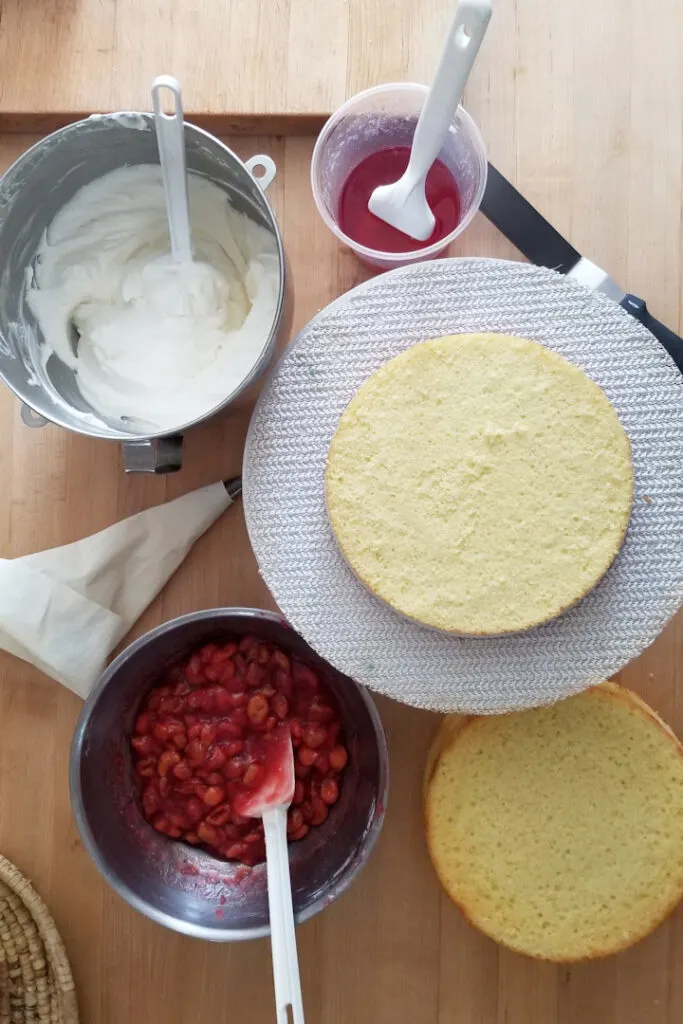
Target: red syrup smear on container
<point x="382" y="168"/>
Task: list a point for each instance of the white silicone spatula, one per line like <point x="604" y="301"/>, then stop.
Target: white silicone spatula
<point x="269" y="800"/>
<point x="171" y="142"/>
<point x="403" y="204"/>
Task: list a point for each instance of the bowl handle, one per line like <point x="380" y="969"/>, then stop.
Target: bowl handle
<point x="153" y="455"/>
<point x="262" y="170"/>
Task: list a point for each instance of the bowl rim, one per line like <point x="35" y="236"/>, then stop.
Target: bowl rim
<point x="215" y="934"/>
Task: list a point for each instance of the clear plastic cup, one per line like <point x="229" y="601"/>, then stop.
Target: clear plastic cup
<point x="380" y="118"/>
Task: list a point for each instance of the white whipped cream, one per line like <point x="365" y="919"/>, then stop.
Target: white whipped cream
<point x="156" y="344"/>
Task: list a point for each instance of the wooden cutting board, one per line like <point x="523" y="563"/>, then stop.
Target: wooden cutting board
<point x="393" y="950"/>
<point x="242" y="58"/>
<point x="581" y="104"/>
<point x="546" y="72"/>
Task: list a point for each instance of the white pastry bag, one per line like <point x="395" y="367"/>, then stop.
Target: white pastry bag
<point x="65" y="609"/>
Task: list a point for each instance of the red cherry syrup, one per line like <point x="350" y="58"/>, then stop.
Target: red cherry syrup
<point x="382" y="168"/>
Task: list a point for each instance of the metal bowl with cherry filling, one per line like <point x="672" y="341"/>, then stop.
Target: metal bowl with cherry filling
<point x="183" y="887"/>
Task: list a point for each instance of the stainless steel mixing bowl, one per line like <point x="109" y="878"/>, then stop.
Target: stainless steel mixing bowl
<point x="177" y="885"/>
<point x="32" y="191"/>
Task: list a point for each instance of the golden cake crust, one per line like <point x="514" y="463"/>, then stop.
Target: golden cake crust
<point x="559" y="831"/>
<point x="479" y="484"/>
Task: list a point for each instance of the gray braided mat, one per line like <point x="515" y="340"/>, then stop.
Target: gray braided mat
<point x="284" y="466"/>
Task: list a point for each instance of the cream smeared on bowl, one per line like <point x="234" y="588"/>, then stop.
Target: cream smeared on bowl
<point x="153" y="343"/>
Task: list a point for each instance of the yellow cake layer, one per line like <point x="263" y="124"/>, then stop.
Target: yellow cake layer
<point x="559" y="831"/>
<point x="479" y="484"/>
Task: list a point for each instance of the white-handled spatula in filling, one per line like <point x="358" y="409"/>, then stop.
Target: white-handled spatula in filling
<point x="403" y="204"/>
<point x="171" y="142"/>
<point x="269" y="800"/>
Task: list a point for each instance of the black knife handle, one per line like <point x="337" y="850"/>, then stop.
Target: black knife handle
<point x="524" y="226"/>
<point x="537" y="239"/>
<point x="671" y="342"/>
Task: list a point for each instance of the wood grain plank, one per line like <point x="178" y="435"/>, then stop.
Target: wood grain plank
<point x="318" y="54"/>
<point x="55" y="53"/>
<point x="249" y="57"/>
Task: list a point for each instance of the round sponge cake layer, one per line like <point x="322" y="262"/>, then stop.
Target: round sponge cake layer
<point x="559" y="831"/>
<point x="479" y="484"/>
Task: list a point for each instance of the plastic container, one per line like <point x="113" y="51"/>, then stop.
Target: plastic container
<point x="379" y="118"/>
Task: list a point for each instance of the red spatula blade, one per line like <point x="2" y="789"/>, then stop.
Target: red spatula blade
<point x="276" y="786"/>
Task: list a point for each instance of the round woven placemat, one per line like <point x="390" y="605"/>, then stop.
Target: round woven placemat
<point x="36" y="984"/>
<point x="284" y="501"/>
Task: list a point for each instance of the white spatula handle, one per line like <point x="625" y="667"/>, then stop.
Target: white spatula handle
<point x="462" y="45"/>
<point x="282" y="935"/>
<point x="171" y="141"/>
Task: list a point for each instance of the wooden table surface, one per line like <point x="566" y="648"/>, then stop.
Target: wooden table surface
<point x="581" y="104"/>
<point x="255" y="59"/>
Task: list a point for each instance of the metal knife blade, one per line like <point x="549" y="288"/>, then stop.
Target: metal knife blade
<point x="538" y="240"/>
<point x="597" y="279"/>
